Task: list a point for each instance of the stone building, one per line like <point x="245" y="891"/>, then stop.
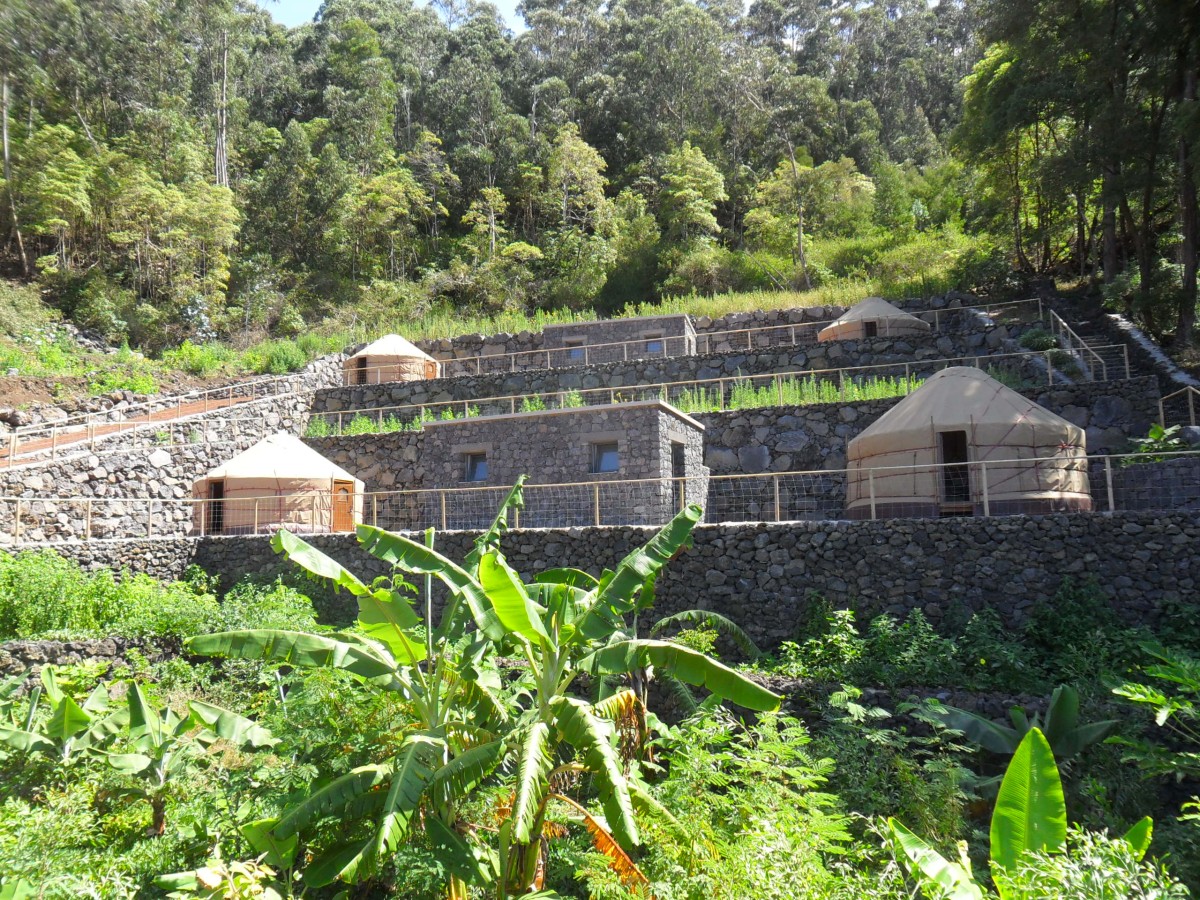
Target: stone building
<point x="630" y="463"/>
<point x="613" y="340"/>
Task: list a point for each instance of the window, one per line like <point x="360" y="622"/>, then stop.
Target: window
<point x="605" y="457"/>
<point x="870" y="329"/>
<point x="476" y="468"/>
<point x="575" y="351"/>
<point x="654" y="343"/>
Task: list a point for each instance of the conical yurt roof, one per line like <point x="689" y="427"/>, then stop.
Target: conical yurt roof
<point x="392" y="345"/>
<point x="962" y="397"/>
<point x="284" y="457"/>
<point x="874" y="308"/>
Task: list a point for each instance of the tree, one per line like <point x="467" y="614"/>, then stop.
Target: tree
<point x="691" y="189"/>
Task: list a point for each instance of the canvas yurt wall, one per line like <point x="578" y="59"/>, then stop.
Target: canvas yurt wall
<point x="873" y="317"/>
<point x="937" y="436"/>
<point x="391" y="358"/>
<point x="280" y="482"/>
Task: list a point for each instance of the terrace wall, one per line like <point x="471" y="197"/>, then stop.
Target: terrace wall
<point x="761" y="575"/>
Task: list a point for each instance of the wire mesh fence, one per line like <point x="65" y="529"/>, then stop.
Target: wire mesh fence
<point x="1103" y="484"/>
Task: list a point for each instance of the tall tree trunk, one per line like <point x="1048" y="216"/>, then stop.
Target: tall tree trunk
<point x="799" y="218"/>
<point x="1108" y="225"/>
<point x="221" y="154"/>
<point x="12" y="203"/>
<point x="1189" y="226"/>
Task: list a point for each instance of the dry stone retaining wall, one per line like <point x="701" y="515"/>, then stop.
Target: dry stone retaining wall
<point x="761" y="575"/>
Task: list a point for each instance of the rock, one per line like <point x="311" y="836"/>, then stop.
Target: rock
<point x="754" y="459"/>
<point x="159" y="459"/>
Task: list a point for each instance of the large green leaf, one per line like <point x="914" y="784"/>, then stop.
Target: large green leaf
<point x="388" y="617"/>
<point x="310" y="558"/>
<point x="705" y="618"/>
<point x="534" y="762"/>
<point x="591" y="736"/>
<point x="340" y="861"/>
<point x="513" y="607"/>
<point x="576" y="578"/>
<point x="130" y="763"/>
<point x="618" y="594"/>
<point x="951" y="881"/>
<point x="67" y="720"/>
<point x="465" y="772"/>
<point x="145" y="723"/>
<point x="331" y="798"/>
<point x="413" y="767"/>
<point x="489" y="541"/>
<point x="296" y="648"/>
<point x="1031" y="813"/>
<point x="261" y="837"/>
<point x="1139" y="836"/>
<point x="25" y="741"/>
<point x="683" y="663"/>
<point x="461" y="855"/>
<point x="421" y="560"/>
<point x="229" y="725"/>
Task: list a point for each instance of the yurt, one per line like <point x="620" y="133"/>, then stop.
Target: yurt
<point x="873" y="317"/>
<point x="280" y="482"/>
<point x="936" y="435"/>
<point x="391" y="358"/>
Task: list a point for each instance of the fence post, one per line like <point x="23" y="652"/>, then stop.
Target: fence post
<point x="779" y="385"/>
<point x="149" y="518"/>
<point x="1049" y="368"/>
<point x="17" y="523"/>
<point x="12" y="449"/>
<point x="987" y="506"/>
<point x="1125" y="351"/>
<point x="87" y="521"/>
<point x="1039" y="299"/>
<point x="516" y="517"/>
<point x="442" y="495"/>
<point x="596" y="503"/>
<point x="871" y="490"/>
<point x="625" y="351"/>
<point x="1191" y="395"/>
<point x="842" y="384"/>
<point x="778" y="507"/>
<point x="53" y="441"/>
<point x="375" y="510"/>
<point x="1108" y="483"/>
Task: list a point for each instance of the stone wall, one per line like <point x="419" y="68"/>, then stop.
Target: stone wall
<point x="28" y="657"/>
<point x="1151" y="485"/>
<point x="152" y="465"/>
<point x="898" y="355"/>
<point x="761" y="575"/>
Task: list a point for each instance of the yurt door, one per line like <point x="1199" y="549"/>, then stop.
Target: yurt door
<point x="956" y="479"/>
<point x="216" y="507"/>
<point x="343" y="506"/>
<point x="362" y="370"/>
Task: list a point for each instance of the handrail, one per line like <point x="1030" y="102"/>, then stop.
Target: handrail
<point x="1061" y="330"/>
<point x="1190" y="392"/>
<point x="773" y="492"/>
<point x="546" y="353"/>
<point x="514" y="401"/>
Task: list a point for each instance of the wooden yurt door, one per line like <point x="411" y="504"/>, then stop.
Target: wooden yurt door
<point x="343" y="506"/>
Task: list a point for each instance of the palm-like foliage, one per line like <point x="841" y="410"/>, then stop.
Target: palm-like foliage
<point x="563" y="624"/>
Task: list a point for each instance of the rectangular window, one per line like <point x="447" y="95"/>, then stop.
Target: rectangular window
<point x="956" y="483"/>
<point x="678" y="468"/>
<point x="605" y="458"/>
<point x="654" y="343"/>
<point x="476" y="467"/>
<point x="575" y="351"/>
<point x="870" y="329"/>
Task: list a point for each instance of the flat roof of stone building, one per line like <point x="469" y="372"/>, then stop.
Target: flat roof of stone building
<point x="661" y="405"/>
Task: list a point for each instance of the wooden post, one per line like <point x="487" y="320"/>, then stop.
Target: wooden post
<point x="375" y="510"/>
<point x="596" y="502"/>
<point x="779" y="386"/>
<point x="87" y="521"/>
<point x="442" y="494"/>
<point x="1125" y="350"/>
<point x="1108" y="483"/>
<point x="987" y="506"/>
<point x="53" y="441"/>
<point x="1191" y="395"/>
<point x="12" y="449"/>
<point x="1049" y="368"/>
<point x="17" y="523"/>
<point x="871" y="490"/>
<point x="256" y="513"/>
<point x="149" y="519"/>
<point x="778" y="507"/>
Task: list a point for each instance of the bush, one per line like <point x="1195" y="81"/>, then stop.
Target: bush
<point x="1038" y="339"/>
<point x="197" y="359"/>
<point x="279" y="358"/>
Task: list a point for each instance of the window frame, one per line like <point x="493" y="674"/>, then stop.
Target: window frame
<point x="471" y="466"/>
<point x="599" y="450"/>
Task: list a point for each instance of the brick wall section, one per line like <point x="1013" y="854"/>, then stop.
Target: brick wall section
<point x="761" y="575"/>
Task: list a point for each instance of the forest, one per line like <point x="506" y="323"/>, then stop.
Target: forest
<point x="194" y="171"/>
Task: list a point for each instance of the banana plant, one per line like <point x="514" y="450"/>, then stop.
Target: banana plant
<point x="446" y="673"/>
<point x="163" y="742"/>
<point x="69" y="731"/>
<point x="565" y="624"/>
<point x="1030" y="817"/>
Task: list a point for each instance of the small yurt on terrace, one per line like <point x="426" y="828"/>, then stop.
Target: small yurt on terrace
<point x="935" y="437"/>
<point x="280" y="482"/>
<point x="391" y="358"/>
<point x="873" y="317"/>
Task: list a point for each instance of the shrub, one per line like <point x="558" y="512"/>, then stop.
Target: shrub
<point x="279" y="358"/>
<point x="1038" y="339"/>
<point x="197" y="359"/>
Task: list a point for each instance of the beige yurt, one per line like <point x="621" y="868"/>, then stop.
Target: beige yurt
<point x="873" y="317"/>
<point x="391" y="358"/>
<point x="959" y="417"/>
<point x="280" y="482"/>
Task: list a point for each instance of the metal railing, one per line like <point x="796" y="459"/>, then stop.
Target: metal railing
<point x="756" y="338"/>
<point x="1103" y="484"/>
<point x="92" y="426"/>
<point x="698" y="395"/>
<point x="1178" y="407"/>
<point x="1088" y="358"/>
